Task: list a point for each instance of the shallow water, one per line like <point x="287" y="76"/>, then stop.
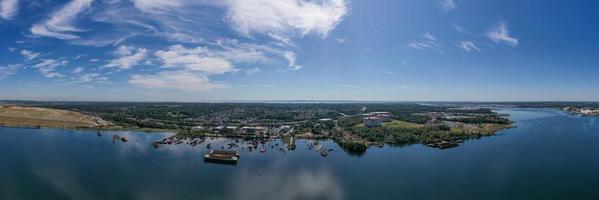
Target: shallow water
<point x="548" y="155"/>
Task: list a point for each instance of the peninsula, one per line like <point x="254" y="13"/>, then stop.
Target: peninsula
<point x="355" y="126"/>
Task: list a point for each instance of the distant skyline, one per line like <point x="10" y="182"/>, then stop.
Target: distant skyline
<point x="323" y="50"/>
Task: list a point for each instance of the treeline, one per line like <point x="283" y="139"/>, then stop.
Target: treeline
<point x="397" y="135"/>
<point x="479" y="119"/>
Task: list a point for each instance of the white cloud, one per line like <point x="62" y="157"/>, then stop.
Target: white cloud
<point x="95" y="77"/>
<point x="29" y="55"/>
<point x="429" y="36"/>
<point x="252" y="71"/>
<point x="8" y="70"/>
<point x="48" y="67"/>
<point x="405" y="87"/>
<point x="191" y="67"/>
<point x="500" y="34"/>
<point x="448" y="5"/>
<point x="8" y="8"/>
<point x="179" y="80"/>
<point x="257" y="85"/>
<point x="291" y="58"/>
<point x="78" y="70"/>
<point x="127" y="57"/>
<point x="60" y="23"/>
<point x="388" y="72"/>
<point x="468" y="46"/>
<point x="429" y="42"/>
<point x="460" y="29"/>
<point x="286" y="16"/>
<point x="209" y="60"/>
<point x="199" y="59"/>
<point x="284" y="41"/>
<point x="153" y="6"/>
<point x="342" y="85"/>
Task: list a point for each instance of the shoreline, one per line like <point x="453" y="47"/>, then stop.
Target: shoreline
<point x="145" y="130"/>
<point x="352" y="146"/>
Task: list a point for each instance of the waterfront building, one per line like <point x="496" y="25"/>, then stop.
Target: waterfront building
<point x="372" y="121"/>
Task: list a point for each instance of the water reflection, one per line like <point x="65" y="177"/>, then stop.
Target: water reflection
<point x="278" y="182"/>
<point x="63" y="182"/>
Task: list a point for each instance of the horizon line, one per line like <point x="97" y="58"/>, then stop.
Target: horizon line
<point x="306" y="101"/>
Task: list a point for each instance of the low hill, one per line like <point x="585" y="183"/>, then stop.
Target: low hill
<point x="18" y="116"/>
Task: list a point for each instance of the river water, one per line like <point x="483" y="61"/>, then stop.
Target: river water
<point x="548" y="155"/>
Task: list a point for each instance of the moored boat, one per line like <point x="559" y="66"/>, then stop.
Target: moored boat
<point x="226" y="157"/>
<point x="324" y="152"/>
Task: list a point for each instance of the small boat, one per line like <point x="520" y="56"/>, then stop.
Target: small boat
<point x="99" y="134"/>
<point x="224" y="157"/>
<point x="381" y="145"/>
<point x="262" y="150"/>
<point x="324" y="152"/>
<point x="115" y="138"/>
<point x="123" y="139"/>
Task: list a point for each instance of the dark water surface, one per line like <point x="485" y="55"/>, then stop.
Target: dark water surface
<point x="549" y="155"/>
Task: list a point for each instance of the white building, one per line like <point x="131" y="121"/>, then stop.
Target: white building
<point x="372" y="121"/>
<point x="385" y="116"/>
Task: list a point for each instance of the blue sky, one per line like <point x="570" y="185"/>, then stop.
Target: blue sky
<point x="382" y="50"/>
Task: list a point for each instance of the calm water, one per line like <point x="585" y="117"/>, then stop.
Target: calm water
<point x="550" y="155"/>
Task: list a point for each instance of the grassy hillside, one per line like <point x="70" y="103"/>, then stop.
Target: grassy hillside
<point x="18" y="116"/>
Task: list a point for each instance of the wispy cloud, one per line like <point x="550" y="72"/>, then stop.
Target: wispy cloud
<point x="429" y="36"/>
<point x="388" y="72"/>
<point x="291" y="58"/>
<point x="460" y="29"/>
<point x="428" y="42"/>
<point x="9" y="70"/>
<point x="29" y="55"/>
<point x="252" y="71"/>
<point x="259" y="32"/>
<point x="286" y="16"/>
<point x="47" y="67"/>
<point x="78" y="70"/>
<point x="500" y="34"/>
<point x="448" y="5"/>
<point x="342" y="85"/>
<point x="257" y="85"/>
<point x="127" y="57"/>
<point x="179" y="80"/>
<point x="468" y="46"/>
<point x="194" y="66"/>
<point x="154" y="6"/>
<point x="60" y="24"/>
<point x="402" y="86"/>
<point x="207" y="60"/>
<point x="8" y="8"/>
